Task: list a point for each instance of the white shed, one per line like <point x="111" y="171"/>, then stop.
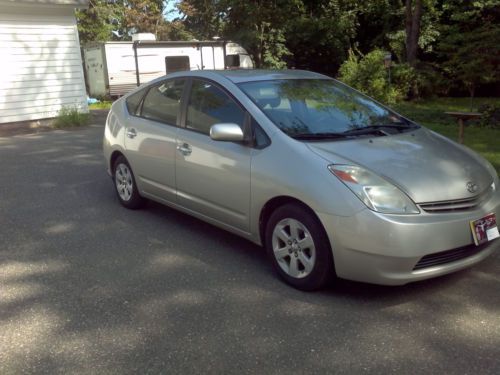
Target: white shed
<point x="40" y="62"/>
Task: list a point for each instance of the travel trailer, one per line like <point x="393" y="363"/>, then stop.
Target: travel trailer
<point x="115" y="68"/>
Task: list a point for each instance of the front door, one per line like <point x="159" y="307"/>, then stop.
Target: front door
<point x="213" y="177"/>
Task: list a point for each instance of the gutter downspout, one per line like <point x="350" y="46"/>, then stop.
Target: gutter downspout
<point x="224" y="52"/>
<point x="137" y="76"/>
<point x="201" y="55"/>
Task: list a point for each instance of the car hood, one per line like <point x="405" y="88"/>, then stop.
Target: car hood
<point x="426" y="166"/>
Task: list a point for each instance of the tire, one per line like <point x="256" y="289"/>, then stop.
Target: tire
<point x="298" y="248"/>
<point x="125" y="186"/>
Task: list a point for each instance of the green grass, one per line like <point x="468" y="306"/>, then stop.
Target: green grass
<point x="101" y="105"/>
<point x="430" y="113"/>
<point x="69" y="117"/>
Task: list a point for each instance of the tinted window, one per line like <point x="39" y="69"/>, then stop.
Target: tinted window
<point x="233" y="61"/>
<point x="260" y="137"/>
<point x="162" y="102"/>
<point x="176" y="63"/>
<point x="209" y="105"/>
<point x="133" y="102"/>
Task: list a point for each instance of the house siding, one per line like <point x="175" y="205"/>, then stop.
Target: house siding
<point x="41" y="68"/>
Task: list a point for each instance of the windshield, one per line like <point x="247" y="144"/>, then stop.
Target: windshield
<point x="316" y="108"/>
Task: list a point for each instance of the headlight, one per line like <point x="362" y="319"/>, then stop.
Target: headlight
<point x="378" y="194"/>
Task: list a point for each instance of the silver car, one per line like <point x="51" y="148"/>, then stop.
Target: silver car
<point x="331" y="182"/>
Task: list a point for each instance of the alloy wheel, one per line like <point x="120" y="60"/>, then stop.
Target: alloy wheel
<point x="124" y="182"/>
<point x="293" y="248"/>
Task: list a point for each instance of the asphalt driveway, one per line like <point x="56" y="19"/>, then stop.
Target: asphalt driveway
<point x="89" y="287"/>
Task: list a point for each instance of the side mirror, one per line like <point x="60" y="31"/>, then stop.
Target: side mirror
<point x="227" y="132"/>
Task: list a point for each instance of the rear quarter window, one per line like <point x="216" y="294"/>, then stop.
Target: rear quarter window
<point x="133" y="102"/>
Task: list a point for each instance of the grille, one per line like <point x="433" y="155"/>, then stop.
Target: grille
<point x="449" y="256"/>
<point x="456" y="205"/>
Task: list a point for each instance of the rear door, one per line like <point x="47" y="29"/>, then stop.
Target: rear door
<point x="151" y="139"/>
<point x="213" y="177"/>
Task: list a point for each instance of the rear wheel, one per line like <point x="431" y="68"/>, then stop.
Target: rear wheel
<point x="299" y="248"/>
<point x="125" y="185"/>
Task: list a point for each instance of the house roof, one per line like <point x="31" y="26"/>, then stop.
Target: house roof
<point x="70" y="3"/>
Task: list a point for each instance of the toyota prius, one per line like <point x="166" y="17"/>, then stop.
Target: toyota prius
<point x="331" y="182"/>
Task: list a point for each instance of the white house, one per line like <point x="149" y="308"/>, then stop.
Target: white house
<point x="40" y="62"/>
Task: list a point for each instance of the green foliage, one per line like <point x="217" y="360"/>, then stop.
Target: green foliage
<point x="368" y="74"/>
<point x="98" y="21"/>
<point x="457" y="40"/>
<point x="70" y="117"/>
<point x="274" y="49"/>
<point x="320" y="35"/>
<point x="260" y="27"/>
<point x="404" y="78"/>
<point x="106" y="104"/>
<point x="203" y="18"/>
<point x="470" y="47"/>
<point x="432" y="111"/>
<point x="491" y="115"/>
<point x="106" y="20"/>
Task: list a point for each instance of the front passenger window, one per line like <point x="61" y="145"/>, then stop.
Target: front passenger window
<point x="162" y="102"/>
<point x="209" y="105"/>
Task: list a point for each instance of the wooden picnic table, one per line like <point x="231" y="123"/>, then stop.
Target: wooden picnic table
<point x="462" y="117"/>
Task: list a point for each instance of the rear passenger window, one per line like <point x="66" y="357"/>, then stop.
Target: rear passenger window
<point x="162" y="102"/>
<point x="133" y="102"/>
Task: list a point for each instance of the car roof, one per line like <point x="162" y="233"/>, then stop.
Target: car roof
<point x="250" y="75"/>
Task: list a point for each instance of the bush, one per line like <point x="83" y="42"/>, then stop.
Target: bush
<point x="70" y="117"/>
<point x="490" y="117"/>
<point x="368" y="75"/>
<point x="404" y="78"/>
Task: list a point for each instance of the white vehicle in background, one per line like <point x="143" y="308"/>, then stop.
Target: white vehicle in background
<point x="116" y="68"/>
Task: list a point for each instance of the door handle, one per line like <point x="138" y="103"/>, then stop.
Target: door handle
<point x="184" y="149"/>
<point x="131" y="133"/>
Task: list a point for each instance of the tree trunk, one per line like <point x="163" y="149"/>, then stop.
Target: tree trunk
<point x="472" y="90"/>
<point x="412" y="25"/>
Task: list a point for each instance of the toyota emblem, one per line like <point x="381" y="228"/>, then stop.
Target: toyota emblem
<point x="472" y="187"/>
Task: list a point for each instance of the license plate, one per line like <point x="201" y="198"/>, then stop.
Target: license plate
<point x="484" y="229"/>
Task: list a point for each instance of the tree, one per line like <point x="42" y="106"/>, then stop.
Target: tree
<point x="144" y="16"/>
<point x="203" y="18"/>
<point x="260" y="26"/>
<point x="469" y="48"/>
<point x="321" y="35"/>
<point x="98" y="22"/>
<point x="413" y="10"/>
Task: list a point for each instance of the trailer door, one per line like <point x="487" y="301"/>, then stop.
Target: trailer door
<point x="208" y="58"/>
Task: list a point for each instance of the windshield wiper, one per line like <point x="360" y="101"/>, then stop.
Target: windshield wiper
<point x="317" y="136"/>
<point x="398" y="125"/>
<point x="378" y="129"/>
<point x="366" y="130"/>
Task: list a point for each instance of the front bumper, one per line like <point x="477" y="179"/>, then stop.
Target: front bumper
<point x="384" y="249"/>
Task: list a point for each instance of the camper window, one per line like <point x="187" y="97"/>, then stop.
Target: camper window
<point x="232" y="61"/>
<point x="176" y="64"/>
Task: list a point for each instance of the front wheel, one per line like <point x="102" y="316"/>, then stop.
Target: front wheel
<point x="125" y="185"/>
<point x="299" y="248"/>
